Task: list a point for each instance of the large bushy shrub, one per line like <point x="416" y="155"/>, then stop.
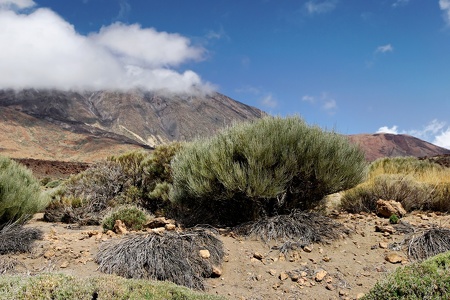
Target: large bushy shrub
<point x="263" y="168"/>
<point x="20" y="193"/>
<point x="417" y="184"/>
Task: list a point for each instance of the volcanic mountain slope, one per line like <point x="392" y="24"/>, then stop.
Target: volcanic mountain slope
<point x="69" y="125"/>
<point x="390" y="145"/>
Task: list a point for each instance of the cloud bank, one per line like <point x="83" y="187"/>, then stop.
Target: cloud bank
<point x="436" y="132"/>
<point x="42" y="50"/>
<point x="444" y="5"/>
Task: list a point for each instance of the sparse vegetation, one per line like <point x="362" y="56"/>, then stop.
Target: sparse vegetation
<point x="429" y="279"/>
<point x="132" y="216"/>
<point x="62" y="287"/>
<point x="138" y="178"/>
<point x="20" y="193"/>
<point x="416" y="184"/>
<point x="296" y="229"/>
<point x="260" y="169"/>
<point x="428" y="243"/>
<point x="172" y="256"/>
<point x="14" y="238"/>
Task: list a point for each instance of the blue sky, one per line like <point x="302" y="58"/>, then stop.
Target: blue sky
<point x="356" y="66"/>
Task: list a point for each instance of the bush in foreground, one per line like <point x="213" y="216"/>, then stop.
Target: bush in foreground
<point x="15" y="238"/>
<point x="260" y="169"/>
<point x="429" y="279"/>
<point x="20" y="193"/>
<point x="416" y="184"/>
<point x="106" y="287"/>
<point x="171" y="256"/>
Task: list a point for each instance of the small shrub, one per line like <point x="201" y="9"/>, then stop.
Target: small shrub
<point x="172" y="256"/>
<point x="132" y="216"/>
<point x="260" y="169"/>
<point x="429" y="279"/>
<point x="105" y="287"/>
<point x="429" y="243"/>
<point x="15" y="238"/>
<point x="394" y="219"/>
<point x="20" y="193"/>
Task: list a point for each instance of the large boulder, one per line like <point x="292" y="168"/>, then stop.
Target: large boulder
<point x="387" y="208"/>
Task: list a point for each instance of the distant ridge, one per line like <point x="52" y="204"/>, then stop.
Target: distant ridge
<point x="390" y="145"/>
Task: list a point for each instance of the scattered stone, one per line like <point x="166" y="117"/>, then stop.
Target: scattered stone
<point x="204" y="253"/>
<point x="326" y="259"/>
<point x="295" y="256"/>
<point x="330" y="287"/>
<point x="120" y="228"/>
<point x="49" y="254"/>
<point x="383" y="245"/>
<point x="388" y="208"/>
<point x="258" y="255"/>
<point x="272" y="272"/>
<point x="308" y="248"/>
<point x="393" y="258"/>
<point x="159" y="222"/>
<point x="64" y="265"/>
<point x="281" y="257"/>
<point x="216" y="272"/>
<point x="385" y="229"/>
<point x="283" y="276"/>
<point x="110" y="233"/>
<point x="360" y="296"/>
<point x="170" y="227"/>
<point x="343" y="293"/>
<point x="295" y="277"/>
<point x="159" y="230"/>
<point x="320" y="275"/>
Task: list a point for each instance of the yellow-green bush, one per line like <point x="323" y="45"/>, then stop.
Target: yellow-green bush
<point x="63" y="287"/>
<point x="263" y="168"/>
<point x="429" y="279"/>
<point x="417" y="184"/>
<point x="132" y="216"/>
<point x="20" y="193"/>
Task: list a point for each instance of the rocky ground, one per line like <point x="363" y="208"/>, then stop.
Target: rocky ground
<point x="343" y="269"/>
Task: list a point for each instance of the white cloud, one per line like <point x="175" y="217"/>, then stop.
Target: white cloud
<point x="444" y="5"/>
<point x="45" y="51"/>
<point x="125" y="9"/>
<point x="434" y="132"/>
<point x="398" y="3"/>
<point x="16" y="4"/>
<point x="309" y="99"/>
<point x="385" y="129"/>
<point x="320" y="7"/>
<point x="443" y="139"/>
<point x="269" y="101"/>
<point x="384" y="49"/>
<point x="330" y="105"/>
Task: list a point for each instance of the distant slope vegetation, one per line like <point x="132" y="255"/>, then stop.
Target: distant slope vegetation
<point x="70" y="125"/>
<point x="389" y="145"/>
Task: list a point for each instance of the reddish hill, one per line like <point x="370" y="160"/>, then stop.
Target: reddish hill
<point x="390" y="145"/>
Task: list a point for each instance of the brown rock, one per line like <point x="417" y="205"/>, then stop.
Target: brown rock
<point x="170" y="227"/>
<point x="216" y="272"/>
<point x="49" y="254"/>
<point x="159" y="222"/>
<point x="394" y="258"/>
<point x="388" y="208"/>
<point x="272" y="272"/>
<point x="330" y="287"/>
<point x="383" y="245"/>
<point x="283" y="276"/>
<point x="120" y="228"/>
<point x="308" y="248"/>
<point x="320" y="275"/>
<point x="64" y="265"/>
<point x="258" y="255"/>
<point x="385" y="229"/>
<point x="158" y="230"/>
<point x="360" y="295"/>
<point x="204" y="254"/>
<point x="110" y="233"/>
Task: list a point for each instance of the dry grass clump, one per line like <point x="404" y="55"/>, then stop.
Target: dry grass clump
<point x="9" y="265"/>
<point x="15" y="238"/>
<point x="429" y="243"/>
<point x="416" y="184"/>
<point x="105" y="287"/>
<point x="172" y="256"/>
<point x="296" y="229"/>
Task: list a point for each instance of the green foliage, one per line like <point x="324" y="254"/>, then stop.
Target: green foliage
<point x="416" y="184"/>
<point x="132" y="216"/>
<point x="20" y="193"/>
<point x="394" y="219"/>
<point x="258" y="169"/>
<point x="427" y="280"/>
<point x="62" y="287"/>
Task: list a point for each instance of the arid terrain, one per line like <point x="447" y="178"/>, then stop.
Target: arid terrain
<point x="341" y="269"/>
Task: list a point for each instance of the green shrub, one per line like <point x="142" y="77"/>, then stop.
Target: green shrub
<point x="20" y="193"/>
<point x="132" y="216"/>
<point x="394" y="219"/>
<point x="62" y="287"/>
<point x="427" y="280"/>
<point x="260" y="169"/>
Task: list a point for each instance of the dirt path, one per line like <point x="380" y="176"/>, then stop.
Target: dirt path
<point x="342" y="269"/>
